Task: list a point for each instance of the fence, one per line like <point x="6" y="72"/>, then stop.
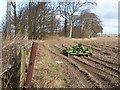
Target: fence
<point x="13" y="66"/>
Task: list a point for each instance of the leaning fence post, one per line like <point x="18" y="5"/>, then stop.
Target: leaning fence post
<point x="31" y="65"/>
<point x="22" y="67"/>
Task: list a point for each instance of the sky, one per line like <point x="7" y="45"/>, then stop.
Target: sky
<point x="107" y="10"/>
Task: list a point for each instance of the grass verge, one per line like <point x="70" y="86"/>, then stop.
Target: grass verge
<point x="47" y="73"/>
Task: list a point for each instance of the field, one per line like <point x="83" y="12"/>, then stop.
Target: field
<point x="54" y="70"/>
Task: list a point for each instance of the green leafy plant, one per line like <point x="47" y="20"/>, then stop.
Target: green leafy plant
<point x="77" y="50"/>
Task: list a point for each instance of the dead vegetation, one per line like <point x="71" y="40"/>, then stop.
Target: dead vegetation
<point x="47" y="73"/>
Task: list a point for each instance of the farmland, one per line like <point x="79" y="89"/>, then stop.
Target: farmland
<point x="97" y="71"/>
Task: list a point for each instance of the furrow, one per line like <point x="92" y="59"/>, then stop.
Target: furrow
<point x="84" y="77"/>
<point x="101" y="66"/>
<point x="94" y="68"/>
<point x="97" y="60"/>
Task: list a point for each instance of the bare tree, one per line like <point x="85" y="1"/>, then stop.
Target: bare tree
<point x="15" y="16"/>
<point x="90" y="22"/>
<point x="7" y="31"/>
<point x="71" y="8"/>
<point x="41" y="17"/>
<point x="30" y="20"/>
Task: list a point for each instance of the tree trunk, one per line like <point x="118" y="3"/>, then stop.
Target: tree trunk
<point x="15" y="18"/>
<point x="8" y="19"/>
<point x="65" y="27"/>
<point x="30" y="21"/>
<point x="70" y="28"/>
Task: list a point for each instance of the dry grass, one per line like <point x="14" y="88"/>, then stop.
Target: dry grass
<point x="47" y="73"/>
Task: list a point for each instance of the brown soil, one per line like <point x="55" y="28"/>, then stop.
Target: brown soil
<point x="99" y="71"/>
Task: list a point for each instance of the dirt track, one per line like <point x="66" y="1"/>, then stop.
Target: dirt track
<point x="99" y="71"/>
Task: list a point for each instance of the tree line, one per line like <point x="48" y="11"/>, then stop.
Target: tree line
<point x="36" y="19"/>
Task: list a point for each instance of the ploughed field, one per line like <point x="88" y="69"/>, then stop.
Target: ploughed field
<point x="100" y="70"/>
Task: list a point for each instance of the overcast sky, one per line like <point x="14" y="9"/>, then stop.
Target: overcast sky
<point x="107" y="10"/>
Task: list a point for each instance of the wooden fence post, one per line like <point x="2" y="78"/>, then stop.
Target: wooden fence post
<point x="22" y="67"/>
